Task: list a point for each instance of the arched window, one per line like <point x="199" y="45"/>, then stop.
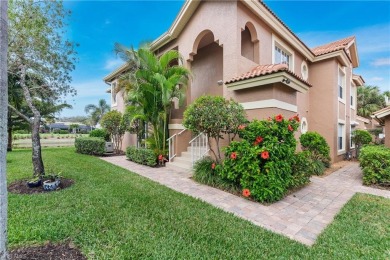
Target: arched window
<point x="250" y="43"/>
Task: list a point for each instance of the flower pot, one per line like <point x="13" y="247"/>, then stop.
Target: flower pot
<point x="50" y="185"/>
<point x="34" y="184"/>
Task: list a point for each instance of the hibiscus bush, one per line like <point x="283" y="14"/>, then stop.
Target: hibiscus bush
<point x="261" y="164"/>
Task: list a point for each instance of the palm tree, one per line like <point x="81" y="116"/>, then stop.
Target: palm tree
<point x="153" y="83"/>
<point x="97" y="112"/>
<point x="369" y="100"/>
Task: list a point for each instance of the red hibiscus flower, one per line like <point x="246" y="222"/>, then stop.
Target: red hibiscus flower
<point x="233" y="155"/>
<point x="296" y="118"/>
<point x="241" y="127"/>
<point x="213" y="166"/>
<point x="290" y="128"/>
<point x="279" y="118"/>
<point x="160" y="157"/>
<point x="259" y="139"/>
<point x="246" y="193"/>
<point x="265" y="155"/>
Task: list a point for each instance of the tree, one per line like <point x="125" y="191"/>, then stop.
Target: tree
<point x="369" y="100"/>
<point x="114" y="124"/>
<point x="214" y="116"/>
<point x="41" y="59"/>
<point x="154" y="83"/>
<point x="3" y="128"/>
<point x="97" y="112"/>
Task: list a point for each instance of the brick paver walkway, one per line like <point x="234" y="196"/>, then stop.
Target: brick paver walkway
<point x="301" y="216"/>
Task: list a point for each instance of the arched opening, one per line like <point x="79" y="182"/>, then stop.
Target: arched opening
<point x="206" y="66"/>
<point x="250" y="43"/>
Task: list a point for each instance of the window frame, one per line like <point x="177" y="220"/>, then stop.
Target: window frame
<point x="343" y="138"/>
<point x="276" y="42"/>
<point x="342" y="99"/>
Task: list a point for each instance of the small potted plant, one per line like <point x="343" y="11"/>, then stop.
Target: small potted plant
<point x="34" y="182"/>
<point x="52" y="182"/>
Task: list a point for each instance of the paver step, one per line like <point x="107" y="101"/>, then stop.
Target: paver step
<point x="175" y="164"/>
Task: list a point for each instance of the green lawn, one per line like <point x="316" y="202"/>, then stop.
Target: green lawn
<point x="111" y="213"/>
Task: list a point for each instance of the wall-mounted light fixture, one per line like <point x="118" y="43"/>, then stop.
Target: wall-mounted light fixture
<point x="220" y="82"/>
<point x="287" y="81"/>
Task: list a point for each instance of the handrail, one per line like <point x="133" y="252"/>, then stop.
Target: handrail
<point x="172" y="143"/>
<point x="199" y="147"/>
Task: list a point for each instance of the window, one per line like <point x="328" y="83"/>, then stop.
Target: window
<point x="282" y="56"/>
<point x="340" y="137"/>
<point x="304" y="70"/>
<point x="353" y="95"/>
<point x="113" y="93"/>
<point x="351" y="136"/>
<point x="341" y="80"/>
<point x="304" y="125"/>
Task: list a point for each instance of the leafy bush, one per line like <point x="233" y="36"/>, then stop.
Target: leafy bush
<point x="361" y="137"/>
<point x="206" y="172"/>
<point x="141" y="155"/>
<point x="375" y="162"/>
<point x="102" y="133"/>
<point x="262" y="162"/>
<point x="301" y="169"/>
<point x="317" y="145"/>
<point x="214" y="116"/>
<point x="90" y="145"/>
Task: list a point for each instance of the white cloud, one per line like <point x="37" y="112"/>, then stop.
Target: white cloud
<point x="381" y="62"/>
<point x="376" y="79"/>
<point x="112" y="64"/>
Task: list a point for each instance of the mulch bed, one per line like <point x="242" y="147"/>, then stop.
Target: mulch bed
<point x="20" y="187"/>
<point x="379" y="186"/>
<point x="50" y="251"/>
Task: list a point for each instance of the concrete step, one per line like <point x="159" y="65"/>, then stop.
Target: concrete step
<point x="184" y="160"/>
<point x="175" y="165"/>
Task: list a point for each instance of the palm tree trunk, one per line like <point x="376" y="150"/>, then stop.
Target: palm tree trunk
<point x="3" y="127"/>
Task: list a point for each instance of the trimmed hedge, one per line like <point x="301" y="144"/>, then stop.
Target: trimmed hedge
<point x="141" y="155"/>
<point x="375" y="162"/>
<point x="90" y="145"/>
<point x="101" y="133"/>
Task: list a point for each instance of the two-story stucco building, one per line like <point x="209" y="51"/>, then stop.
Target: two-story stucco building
<point x="242" y="50"/>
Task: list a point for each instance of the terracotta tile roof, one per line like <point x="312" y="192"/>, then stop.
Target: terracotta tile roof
<point x="333" y="46"/>
<point x="262" y="70"/>
<point x="386" y="109"/>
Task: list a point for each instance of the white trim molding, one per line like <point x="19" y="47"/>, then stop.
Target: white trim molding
<point x="176" y="127"/>
<point x="269" y="103"/>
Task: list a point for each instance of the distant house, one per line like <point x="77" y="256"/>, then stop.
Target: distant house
<point x="66" y="127"/>
<point x="242" y="50"/>
<point x="383" y="118"/>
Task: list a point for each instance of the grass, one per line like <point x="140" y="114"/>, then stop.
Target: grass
<point x="111" y="213"/>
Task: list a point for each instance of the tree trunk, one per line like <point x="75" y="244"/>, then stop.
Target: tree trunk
<point x="3" y="127"/>
<point x="39" y="169"/>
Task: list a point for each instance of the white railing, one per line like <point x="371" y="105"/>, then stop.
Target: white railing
<point x="199" y="147"/>
<point x="172" y="144"/>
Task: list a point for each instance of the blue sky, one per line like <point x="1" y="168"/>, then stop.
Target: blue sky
<point x="97" y="25"/>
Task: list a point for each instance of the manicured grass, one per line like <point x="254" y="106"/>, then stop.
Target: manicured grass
<point x="111" y="213"/>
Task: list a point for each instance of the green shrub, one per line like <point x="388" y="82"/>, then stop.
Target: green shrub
<point x="102" y="133"/>
<point x="262" y="161"/>
<point x="317" y="145"/>
<point x="204" y="173"/>
<point x="301" y="169"/>
<point x="90" y="145"/>
<point x="375" y="162"/>
<point x="141" y="155"/>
